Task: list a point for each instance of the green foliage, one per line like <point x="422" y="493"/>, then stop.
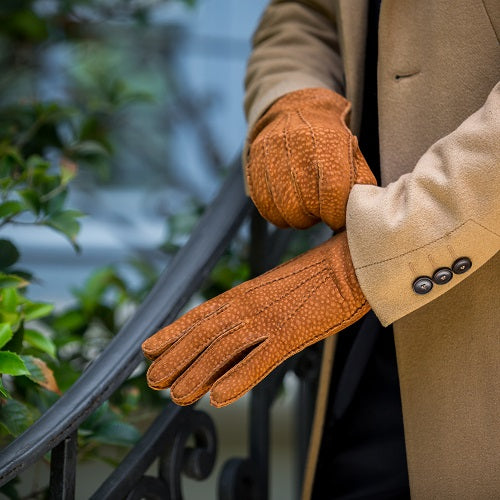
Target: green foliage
<point x="22" y="354"/>
<point x="104" y="427"/>
<point x="31" y="193"/>
<point x="46" y="145"/>
<point x="16" y="417"/>
<point x="49" y="356"/>
<point x="12" y="364"/>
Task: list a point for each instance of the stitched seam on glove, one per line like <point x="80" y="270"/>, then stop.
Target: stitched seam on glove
<point x="268" y="181"/>
<point x="218" y="311"/>
<point x="291" y="353"/>
<point x="292" y="170"/>
<point x="289" y="292"/>
<point x="238" y="326"/>
<point x="249" y="180"/>
<point x="335" y="282"/>
<point x="304" y="301"/>
<point x="196" y="347"/>
<point x="228" y="357"/>
<point x="315" y="155"/>
<point x="294" y="273"/>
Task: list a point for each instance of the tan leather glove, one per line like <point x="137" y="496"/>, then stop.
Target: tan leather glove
<point x="303" y="160"/>
<point x="230" y="343"/>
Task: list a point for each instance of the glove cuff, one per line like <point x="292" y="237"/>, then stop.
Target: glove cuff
<point x="319" y="98"/>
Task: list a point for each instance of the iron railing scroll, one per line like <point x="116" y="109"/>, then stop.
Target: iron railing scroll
<point x="169" y="440"/>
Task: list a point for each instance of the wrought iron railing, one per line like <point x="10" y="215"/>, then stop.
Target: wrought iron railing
<point x="167" y="438"/>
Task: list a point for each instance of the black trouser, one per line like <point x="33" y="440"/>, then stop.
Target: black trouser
<point x="363" y="454"/>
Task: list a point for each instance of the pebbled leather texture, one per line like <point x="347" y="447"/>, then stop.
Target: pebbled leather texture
<point x="303" y="160"/>
<point x="230" y="343"/>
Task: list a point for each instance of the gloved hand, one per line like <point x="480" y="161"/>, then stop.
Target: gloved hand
<point x="230" y="343"/>
<point x="303" y="160"/>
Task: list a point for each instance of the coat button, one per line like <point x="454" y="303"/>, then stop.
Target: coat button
<point x="442" y="275"/>
<point x="422" y="285"/>
<point x="461" y="265"/>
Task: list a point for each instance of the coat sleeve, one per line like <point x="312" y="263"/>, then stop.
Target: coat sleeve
<point x="446" y="208"/>
<point x="290" y="45"/>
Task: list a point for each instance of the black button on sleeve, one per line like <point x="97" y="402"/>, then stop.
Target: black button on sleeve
<point x="462" y="265"/>
<point x="422" y="285"/>
<point x="442" y="275"/>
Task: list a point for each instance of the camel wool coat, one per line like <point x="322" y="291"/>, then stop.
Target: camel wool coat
<point x="439" y="125"/>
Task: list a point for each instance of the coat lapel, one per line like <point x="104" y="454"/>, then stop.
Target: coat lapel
<point x="352" y="18"/>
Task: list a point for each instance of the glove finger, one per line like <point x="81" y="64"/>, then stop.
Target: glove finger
<point x="288" y="172"/>
<point x="244" y="376"/>
<point x="334" y="183"/>
<point x="303" y="158"/>
<point x="164" y="338"/>
<point x="167" y="367"/>
<point x="258" y="184"/>
<point x="219" y="358"/>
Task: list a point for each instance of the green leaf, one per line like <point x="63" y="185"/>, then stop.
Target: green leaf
<point x="10" y="299"/>
<point x="36" y="163"/>
<point x="35" y="310"/>
<point x="10" y="208"/>
<point x="5" y="333"/>
<point x="32" y="199"/>
<point x="40" y="373"/>
<point x="45" y="184"/>
<point x="66" y="223"/>
<point x="16" y="342"/>
<point x="69" y="321"/>
<point x="10" y="157"/>
<point x="66" y="375"/>
<point x="4" y="393"/>
<point x="25" y="24"/>
<point x="56" y="203"/>
<point x="40" y="341"/>
<point x="105" y="426"/>
<point x="22" y="273"/>
<point x="116" y="432"/>
<point x="16" y="417"/>
<point x="97" y="286"/>
<point x="69" y="170"/>
<point x="89" y="148"/>
<point x="9" y="254"/>
<point x="13" y="318"/>
<point x="12" y="281"/>
<point x="99" y="417"/>
<point x="12" y="364"/>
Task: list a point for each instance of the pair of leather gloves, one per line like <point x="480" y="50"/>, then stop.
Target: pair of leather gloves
<point x="303" y="162"/>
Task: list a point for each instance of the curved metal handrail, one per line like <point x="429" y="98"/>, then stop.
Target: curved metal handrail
<point x="173" y="289"/>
